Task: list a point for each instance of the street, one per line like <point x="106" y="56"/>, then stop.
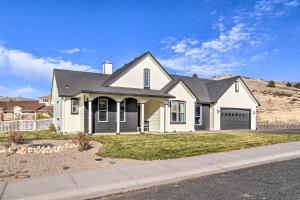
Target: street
<point x="279" y="180"/>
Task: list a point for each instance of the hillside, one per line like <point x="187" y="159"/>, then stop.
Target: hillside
<point x="281" y="104"/>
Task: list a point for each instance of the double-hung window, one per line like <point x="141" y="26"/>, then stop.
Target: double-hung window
<point x="237" y="86"/>
<point x="178" y="111"/>
<point x="146" y="78"/>
<point x="123" y="111"/>
<point x="198" y="113"/>
<point x="74" y="106"/>
<point x="103" y="110"/>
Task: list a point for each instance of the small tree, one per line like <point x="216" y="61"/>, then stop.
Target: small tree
<point x="271" y="84"/>
<point x="288" y="84"/>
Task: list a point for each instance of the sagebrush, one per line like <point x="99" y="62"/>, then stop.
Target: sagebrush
<point x="82" y="140"/>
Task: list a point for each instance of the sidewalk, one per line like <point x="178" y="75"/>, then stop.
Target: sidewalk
<point x="101" y="182"/>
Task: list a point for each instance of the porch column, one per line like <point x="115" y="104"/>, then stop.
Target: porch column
<point x="165" y="118"/>
<point x="90" y="116"/>
<point x="142" y="113"/>
<point x="118" y="117"/>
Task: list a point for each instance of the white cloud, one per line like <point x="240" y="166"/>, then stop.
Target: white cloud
<point x="24" y="91"/>
<point x="28" y="66"/>
<point x="70" y="51"/>
<point x="235" y="46"/>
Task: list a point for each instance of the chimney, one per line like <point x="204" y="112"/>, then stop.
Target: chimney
<point x="107" y="67"/>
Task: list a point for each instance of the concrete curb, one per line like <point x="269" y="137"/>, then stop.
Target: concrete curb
<point x="141" y="183"/>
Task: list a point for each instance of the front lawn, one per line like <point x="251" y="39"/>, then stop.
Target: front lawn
<point x="154" y="147"/>
<point x="167" y="146"/>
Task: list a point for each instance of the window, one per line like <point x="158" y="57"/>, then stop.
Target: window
<point x="237" y="86"/>
<point x="122" y="111"/>
<point x="103" y="110"/>
<point x="178" y="111"/>
<point x="74" y="106"/>
<point x="198" y="113"/>
<point x="146" y="78"/>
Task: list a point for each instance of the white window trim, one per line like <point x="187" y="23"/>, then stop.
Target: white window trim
<point x="200" y="122"/>
<point x="178" y="112"/>
<point x="103" y="110"/>
<point x="72" y="101"/>
<point x="124" y="111"/>
<point x="148" y="78"/>
<point x="237" y="86"/>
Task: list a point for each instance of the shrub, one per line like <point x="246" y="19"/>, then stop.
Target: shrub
<point x="288" y="84"/>
<point x="15" y="137"/>
<point x="41" y="116"/>
<point x="297" y="85"/>
<point x="52" y="128"/>
<point x="271" y="84"/>
<point x="82" y="141"/>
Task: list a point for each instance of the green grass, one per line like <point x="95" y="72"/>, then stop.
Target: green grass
<point x="167" y="146"/>
<point x="154" y="147"/>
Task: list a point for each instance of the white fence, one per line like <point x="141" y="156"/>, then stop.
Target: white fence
<point x="25" y="125"/>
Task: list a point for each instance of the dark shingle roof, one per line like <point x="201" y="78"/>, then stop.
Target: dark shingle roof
<point x="25" y="105"/>
<point x="71" y="83"/>
<point x="217" y="88"/>
<point x="197" y="86"/>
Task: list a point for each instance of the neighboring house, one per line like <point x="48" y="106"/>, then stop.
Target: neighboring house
<point x="143" y="96"/>
<point x="21" y="110"/>
<point x="45" y="100"/>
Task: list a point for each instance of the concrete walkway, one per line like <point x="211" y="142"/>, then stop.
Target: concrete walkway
<point x="102" y="182"/>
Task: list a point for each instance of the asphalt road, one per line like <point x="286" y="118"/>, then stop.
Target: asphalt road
<point x="272" y="181"/>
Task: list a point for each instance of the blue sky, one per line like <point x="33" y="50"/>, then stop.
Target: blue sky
<point x="260" y="39"/>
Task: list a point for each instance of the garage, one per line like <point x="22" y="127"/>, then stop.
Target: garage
<point x="234" y="119"/>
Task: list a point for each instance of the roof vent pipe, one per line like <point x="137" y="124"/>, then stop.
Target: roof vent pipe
<point x="107" y="67"/>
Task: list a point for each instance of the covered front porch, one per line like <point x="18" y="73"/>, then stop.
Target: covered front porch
<point x="106" y="113"/>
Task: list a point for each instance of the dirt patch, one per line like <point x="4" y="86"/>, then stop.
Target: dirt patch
<point x="20" y="166"/>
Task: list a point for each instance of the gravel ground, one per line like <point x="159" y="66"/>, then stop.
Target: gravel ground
<point x="70" y="160"/>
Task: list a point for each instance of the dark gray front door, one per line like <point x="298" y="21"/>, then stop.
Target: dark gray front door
<point x="235" y="119"/>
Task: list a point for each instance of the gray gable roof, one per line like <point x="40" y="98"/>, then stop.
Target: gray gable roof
<point x="127" y="67"/>
<point x="70" y="83"/>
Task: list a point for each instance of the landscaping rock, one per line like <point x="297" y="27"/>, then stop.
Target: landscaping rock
<point x="23" y="161"/>
<point x="66" y="167"/>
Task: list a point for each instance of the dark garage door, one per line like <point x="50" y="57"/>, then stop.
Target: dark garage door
<point x="235" y="119"/>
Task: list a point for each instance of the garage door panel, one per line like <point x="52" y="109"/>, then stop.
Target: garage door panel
<point x="232" y="119"/>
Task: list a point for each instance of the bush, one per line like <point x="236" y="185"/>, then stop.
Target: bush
<point x="288" y="84"/>
<point x="82" y="141"/>
<point x="41" y="116"/>
<point x="52" y="128"/>
<point x="297" y="85"/>
<point x="271" y="84"/>
<point x="15" y="137"/>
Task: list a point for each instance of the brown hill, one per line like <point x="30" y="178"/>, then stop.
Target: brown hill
<point x="279" y="104"/>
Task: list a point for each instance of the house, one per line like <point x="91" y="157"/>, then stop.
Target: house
<point x="143" y="96"/>
<point x="21" y="110"/>
<point x="45" y="100"/>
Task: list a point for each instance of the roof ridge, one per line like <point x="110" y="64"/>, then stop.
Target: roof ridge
<point x="71" y="70"/>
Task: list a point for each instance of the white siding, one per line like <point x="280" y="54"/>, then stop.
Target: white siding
<point x="232" y="99"/>
<point x="182" y="93"/>
<point x="71" y="122"/>
<point x="56" y="100"/>
<point x="152" y="114"/>
<point x="134" y="78"/>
